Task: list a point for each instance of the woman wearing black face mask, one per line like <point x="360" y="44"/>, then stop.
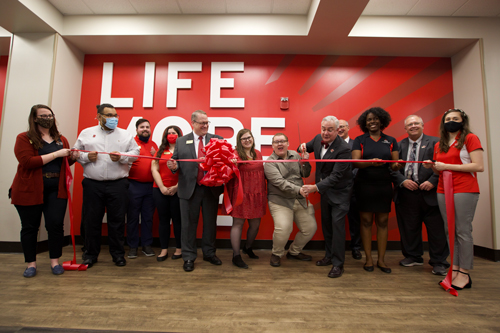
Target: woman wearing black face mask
<point x="165" y="193"/>
<point x="460" y="152"/>
<point x="39" y="185"/>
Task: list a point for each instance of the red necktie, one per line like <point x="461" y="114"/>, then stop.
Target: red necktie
<point x="201" y="154"/>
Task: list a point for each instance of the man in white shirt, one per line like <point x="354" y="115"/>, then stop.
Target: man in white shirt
<point x="105" y="185"/>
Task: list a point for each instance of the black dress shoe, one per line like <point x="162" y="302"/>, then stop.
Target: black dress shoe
<point x="188" y="265"/>
<point x="324" y="262"/>
<point x="356" y="254"/>
<point x="336" y="272"/>
<point x="384" y="269"/>
<point x="238" y="262"/>
<point x="176" y="256"/>
<point x="467" y="286"/>
<point x="301" y="256"/>
<point x="213" y="260"/>
<point x="89" y="262"/>
<point x="163" y="258"/>
<point x="249" y="252"/>
<point x="120" y="261"/>
<point x="368" y="268"/>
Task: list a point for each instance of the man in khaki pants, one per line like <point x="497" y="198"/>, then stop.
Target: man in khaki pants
<point x="287" y="201"/>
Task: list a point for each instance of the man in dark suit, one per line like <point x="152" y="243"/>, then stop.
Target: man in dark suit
<point x="193" y="195"/>
<point x="353" y="214"/>
<point x="334" y="183"/>
<point x="416" y="200"/>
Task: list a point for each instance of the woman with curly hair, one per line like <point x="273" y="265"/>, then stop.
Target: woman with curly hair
<point x="459" y="151"/>
<point x="373" y="185"/>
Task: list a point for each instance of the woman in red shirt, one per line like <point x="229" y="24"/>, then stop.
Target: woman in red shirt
<point x="254" y="196"/>
<point x="165" y="193"/>
<point x="40" y="186"/>
<point x="460" y="152"/>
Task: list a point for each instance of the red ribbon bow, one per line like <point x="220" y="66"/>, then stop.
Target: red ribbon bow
<point x="220" y="169"/>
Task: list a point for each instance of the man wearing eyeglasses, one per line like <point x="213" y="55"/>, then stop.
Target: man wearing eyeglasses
<point x="334" y="183"/>
<point x="193" y="196"/>
<point x="105" y="184"/>
<point x="287" y="201"/>
<point x="416" y="200"/>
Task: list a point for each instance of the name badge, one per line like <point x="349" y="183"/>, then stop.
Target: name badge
<point x="188" y="142"/>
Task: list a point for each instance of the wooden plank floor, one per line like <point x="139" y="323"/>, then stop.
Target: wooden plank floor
<point x="147" y="295"/>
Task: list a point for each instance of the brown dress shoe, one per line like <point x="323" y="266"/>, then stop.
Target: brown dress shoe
<point x="275" y="261"/>
<point x="336" y="272"/>
<point x="324" y="262"/>
<point x="300" y="256"/>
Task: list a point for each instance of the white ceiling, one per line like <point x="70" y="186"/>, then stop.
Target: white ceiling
<point x="234" y="26"/>
<point x="455" y="8"/>
<point x="131" y="7"/>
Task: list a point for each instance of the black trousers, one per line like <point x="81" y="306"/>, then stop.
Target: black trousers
<point x="53" y="210"/>
<point x="168" y="209"/>
<point x="411" y="211"/>
<point x="354" y="224"/>
<point x="190" y="212"/>
<point x="333" y="225"/>
<point x="99" y="197"/>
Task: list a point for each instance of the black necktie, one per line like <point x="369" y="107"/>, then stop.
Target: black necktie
<point x="410" y="174"/>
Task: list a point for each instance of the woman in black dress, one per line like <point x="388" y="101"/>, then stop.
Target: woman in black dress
<point x="373" y="186"/>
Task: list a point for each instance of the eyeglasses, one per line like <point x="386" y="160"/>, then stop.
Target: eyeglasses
<point x="280" y="142"/>
<point x="205" y="123"/>
<point x="110" y="115"/>
<point x="246" y="139"/>
<point x="46" y="116"/>
<point x="413" y="124"/>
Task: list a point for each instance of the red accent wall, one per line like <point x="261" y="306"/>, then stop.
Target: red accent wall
<point x="316" y="85"/>
<point x="3" y="76"/>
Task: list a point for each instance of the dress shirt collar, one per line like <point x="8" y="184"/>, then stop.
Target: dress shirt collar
<point x="418" y="141"/>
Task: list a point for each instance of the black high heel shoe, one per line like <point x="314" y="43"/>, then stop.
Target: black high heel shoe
<point x="467" y="286"/>
<point x="249" y="252"/>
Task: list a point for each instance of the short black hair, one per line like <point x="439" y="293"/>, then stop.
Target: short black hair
<point x="101" y="107"/>
<point x="140" y="121"/>
<point x="381" y="114"/>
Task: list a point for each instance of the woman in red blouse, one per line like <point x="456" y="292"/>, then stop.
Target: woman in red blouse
<point x="254" y="196"/>
<point x="165" y="193"/>
<point x="460" y="152"/>
<point x="39" y="186"/>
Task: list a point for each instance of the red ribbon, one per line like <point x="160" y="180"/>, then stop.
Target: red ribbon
<point x="71" y="265"/>
<point x="258" y="161"/>
<point x="449" y="198"/>
<point x="220" y="169"/>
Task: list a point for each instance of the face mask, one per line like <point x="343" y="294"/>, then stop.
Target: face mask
<point x="172" y="138"/>
<point x="453" y="126"/>
<point x="45" y="123"/>
<point x="111" y="123"/>
<point x="144" y="139"/>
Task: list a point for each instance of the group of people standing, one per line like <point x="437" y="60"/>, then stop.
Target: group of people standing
<point x="123" y="185"/>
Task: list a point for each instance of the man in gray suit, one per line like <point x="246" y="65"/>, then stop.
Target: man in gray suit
<point x="193" y="195"/>
<point x="416" y="200"/>
<point x="334" y="183"/>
